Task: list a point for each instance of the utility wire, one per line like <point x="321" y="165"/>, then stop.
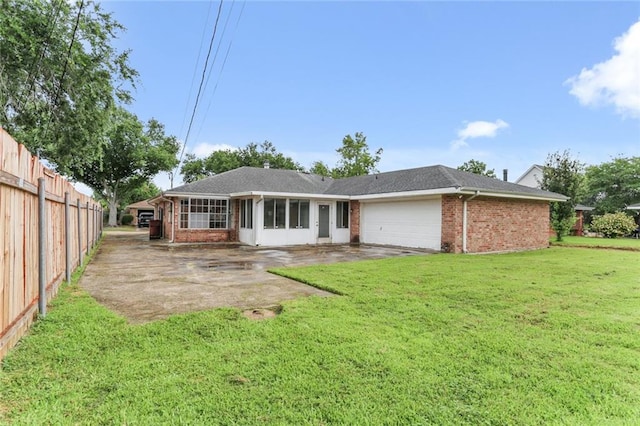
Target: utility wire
<point x="215" y="88"/>
<point x="195" y="69"/>
<point x="204" y="72"/>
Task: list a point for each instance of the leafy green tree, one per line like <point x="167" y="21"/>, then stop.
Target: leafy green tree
<point x="320" y="168"/>
<point x="59" y="78"/>
<point x="478" y="168"/>
<point x="145" y="191"/>
<point x="613" y="185"/>
<point x="253" y="155"/>
<point x="562" y="174"/>
<point x="132" y="155"/>
<point x="356" y="160"/>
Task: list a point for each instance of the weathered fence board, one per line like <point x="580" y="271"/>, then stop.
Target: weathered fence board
<point x="19" y="236"/>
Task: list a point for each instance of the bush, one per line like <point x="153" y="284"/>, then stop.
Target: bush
<point x="126" y="219"/>
<point x="613" y="225"/>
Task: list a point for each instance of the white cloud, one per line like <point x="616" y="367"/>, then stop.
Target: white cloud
<point x="205" y="149"/>
<point x="615" y="81"/>
<point x="478" y="129"/>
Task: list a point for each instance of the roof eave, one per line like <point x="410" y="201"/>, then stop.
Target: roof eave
<point x="194" y="195"/>
<point x="512" y="194"/>
<point x="288" y="195"/>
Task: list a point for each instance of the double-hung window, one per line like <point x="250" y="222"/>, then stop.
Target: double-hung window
<point x="298" y="214"/>
<point x="201" y="213"/>
<point x="246" y="214"/>
<point x="275" y="211"/>
<point x="342" y="214"/>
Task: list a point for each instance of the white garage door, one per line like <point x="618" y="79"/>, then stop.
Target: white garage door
<point x="404" y="223"/>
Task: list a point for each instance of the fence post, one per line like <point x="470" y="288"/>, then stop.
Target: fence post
<point x="42" y="248"/>
<point x="67" y="238"/>
<point x="88" y="244"/>
<point x="79" y="233"/>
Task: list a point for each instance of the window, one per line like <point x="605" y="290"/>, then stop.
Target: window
<point x="342" y="214"/>
<point x="298" y="214"/>
<point x="199" y="213"/>
<point x="275" y="210"/>
<point x="246" y="214"/>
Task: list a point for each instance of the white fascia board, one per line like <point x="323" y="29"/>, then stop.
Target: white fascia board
<point x="288" y="195"/>
<point x="196" y="195"/>
<point x="406" y="194"/>
<point x="522" y="196"/>
<point x="455" y="191"/>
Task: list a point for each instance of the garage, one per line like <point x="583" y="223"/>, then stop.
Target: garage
<point x="402" y="223"/>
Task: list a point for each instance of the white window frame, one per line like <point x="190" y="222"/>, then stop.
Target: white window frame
<point x="199" y="218"/>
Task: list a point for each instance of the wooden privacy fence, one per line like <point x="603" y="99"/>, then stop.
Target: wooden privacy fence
<point x="46" y="227"/>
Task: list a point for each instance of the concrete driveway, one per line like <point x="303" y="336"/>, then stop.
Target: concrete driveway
<point x="146" y="280"/>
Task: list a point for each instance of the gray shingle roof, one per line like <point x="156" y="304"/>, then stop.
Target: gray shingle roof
<point x="246" y="179"/>
<point x="426" y="178"/>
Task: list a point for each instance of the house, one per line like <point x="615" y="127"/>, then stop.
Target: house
<point x="533" y="178"/>
<point x="136" y="209"/>
<point x="434" y="207"/>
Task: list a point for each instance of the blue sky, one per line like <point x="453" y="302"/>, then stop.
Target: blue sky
<point x="505" y="83"/>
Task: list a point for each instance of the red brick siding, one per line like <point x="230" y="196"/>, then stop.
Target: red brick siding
<point x="451" y="231"/>
<point x="498" y="224"/>
<point x="205" y="235"/>
<point x="354" y="221"/>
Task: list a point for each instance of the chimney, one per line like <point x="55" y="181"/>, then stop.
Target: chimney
<point x="505" y="173"/>
<point x="266" y="164"/>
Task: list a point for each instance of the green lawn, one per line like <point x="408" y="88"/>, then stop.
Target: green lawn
<point x="544" y="337"/>
<point x="619" y="243"/>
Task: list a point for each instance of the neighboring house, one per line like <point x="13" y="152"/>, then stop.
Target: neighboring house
<point x="136" y="209"/>
<point x="533" y="178"/>
<point x="433" y="207"/>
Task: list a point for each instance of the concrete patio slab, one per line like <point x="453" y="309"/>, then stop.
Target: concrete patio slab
<point x="145" y="280"/>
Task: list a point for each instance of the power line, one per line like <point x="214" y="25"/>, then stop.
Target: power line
<point x="226" y="56"/>
<point x="195" y="69"/>
<point x="204" y="73"/>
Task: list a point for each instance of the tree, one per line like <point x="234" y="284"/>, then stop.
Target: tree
<point x="133" y="153"/>
<point x="59" y="78"/>
<point x="478" y="168"/>
<point x="145" y="191"/>
<point x="320" y="168"/>
<point x="613" y="185"/>
<point x="356" y="160"/>
<point x="562" y="174"/>
<point x="253" y="155"/>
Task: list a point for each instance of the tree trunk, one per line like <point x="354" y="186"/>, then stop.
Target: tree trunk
<point x="113" y="211"/>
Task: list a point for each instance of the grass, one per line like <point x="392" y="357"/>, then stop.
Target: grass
<point x="543" y="337"/>
<point x="596" y="242"/>
<point x="127" y="228"/>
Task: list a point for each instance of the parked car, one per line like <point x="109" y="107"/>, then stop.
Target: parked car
<point x="144" y="219"/>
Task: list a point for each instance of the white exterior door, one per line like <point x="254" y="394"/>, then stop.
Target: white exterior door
<point x="402" y="223"/>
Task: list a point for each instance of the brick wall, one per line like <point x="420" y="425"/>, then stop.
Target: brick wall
<point x="451" y="231"/>
<point x="498" y="224"/>
<point x="205" y="235"/>
<point x="354" y="221"/>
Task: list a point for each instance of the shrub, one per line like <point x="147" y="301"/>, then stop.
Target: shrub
<point x="613" y="225"/>
<point x="126" y="219"/>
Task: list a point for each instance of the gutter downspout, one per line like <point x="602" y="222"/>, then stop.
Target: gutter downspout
<point x="464" y="220"/>
<point x="173" y="220"/>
